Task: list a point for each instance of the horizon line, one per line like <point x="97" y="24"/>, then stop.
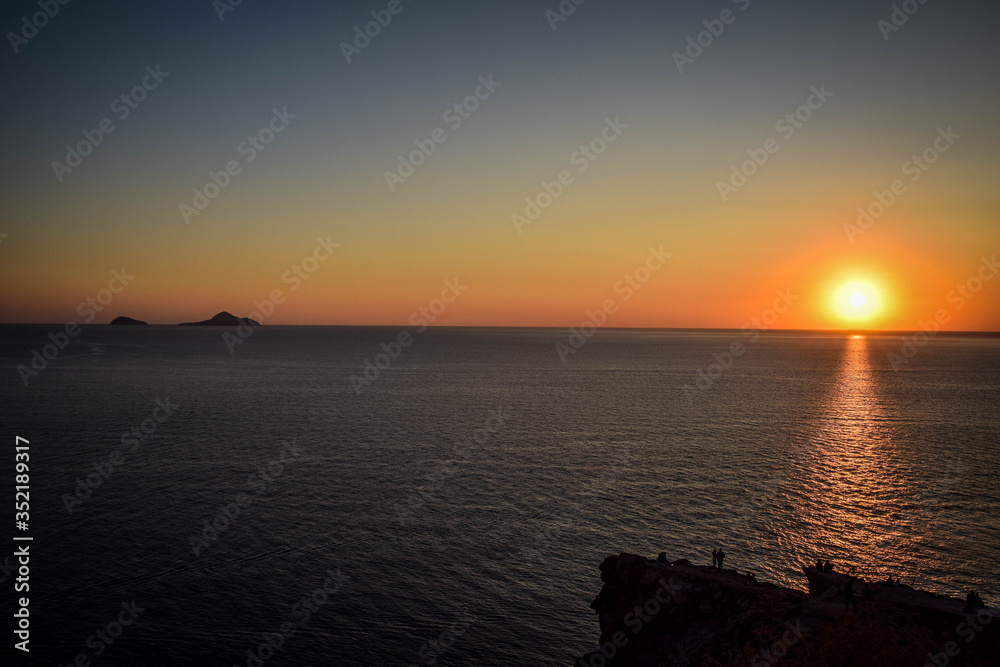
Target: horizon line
<point x="846" y="332"/>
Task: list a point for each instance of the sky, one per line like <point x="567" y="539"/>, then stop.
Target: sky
<point x="630" y="138"/>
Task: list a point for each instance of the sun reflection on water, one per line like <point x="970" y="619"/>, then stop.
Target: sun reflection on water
<point x="855" y="495"/>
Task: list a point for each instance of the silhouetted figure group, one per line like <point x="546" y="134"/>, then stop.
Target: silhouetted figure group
<point x="718" y="555"/>
<point x="821" y="567"/>
<point x="972" y="602"/>
<point x="869" y="594"/>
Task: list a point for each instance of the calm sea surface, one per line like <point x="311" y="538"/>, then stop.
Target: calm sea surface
<point x="467" y="496"/>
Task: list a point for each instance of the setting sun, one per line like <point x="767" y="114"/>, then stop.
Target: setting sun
<point x="857" y="301"/>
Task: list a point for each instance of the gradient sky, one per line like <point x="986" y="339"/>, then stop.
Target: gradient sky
<point x="655" y="186"/>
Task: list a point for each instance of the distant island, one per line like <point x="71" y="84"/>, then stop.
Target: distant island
<point x="127" y="322"/>
<point x="223" y="319"/>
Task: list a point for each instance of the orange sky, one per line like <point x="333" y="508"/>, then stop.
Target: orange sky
<point x="654" y="183"/>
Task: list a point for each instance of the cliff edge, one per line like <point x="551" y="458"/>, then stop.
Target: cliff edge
<point x="661" y="614"/>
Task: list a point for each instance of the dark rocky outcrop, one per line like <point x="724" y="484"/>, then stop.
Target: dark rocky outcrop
<point x="659" y="614"/>
<point x="223" y="319"/>
<point x="127" y="322"/>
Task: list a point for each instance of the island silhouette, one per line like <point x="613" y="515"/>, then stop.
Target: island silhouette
<point x="223" y="319"/>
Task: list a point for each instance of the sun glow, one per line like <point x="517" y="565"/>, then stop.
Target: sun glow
<point x="857" y="301"/>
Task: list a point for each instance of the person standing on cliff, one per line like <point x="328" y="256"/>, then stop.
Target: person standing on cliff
<point x="849" y="594"/>
<point x="715" y="558"/>
<point x="721" y="555"/>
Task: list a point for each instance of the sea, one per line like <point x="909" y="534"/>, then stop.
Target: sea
<point x="327" y="496"/>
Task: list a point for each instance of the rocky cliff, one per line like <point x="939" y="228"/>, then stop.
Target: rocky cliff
<point x="660" y="614"/>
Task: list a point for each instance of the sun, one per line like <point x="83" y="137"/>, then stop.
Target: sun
<point x="857" y="301"/>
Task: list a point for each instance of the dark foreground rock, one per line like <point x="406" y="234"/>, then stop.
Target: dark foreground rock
<point x="655" y="614"/>
<point x="223" y="319"/>
<point x="127" y="322"/>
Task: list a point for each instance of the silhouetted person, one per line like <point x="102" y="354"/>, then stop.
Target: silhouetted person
<point x="715" y="558"/>
<point x="662" y="558"/>
<point x="889" y="582"/>
<point x="750" y="576"/>
<point x="721" y="556"/>
<point x="819" y="565"/>
<point x="849" y="594"/>
<point x="828" y="567"/>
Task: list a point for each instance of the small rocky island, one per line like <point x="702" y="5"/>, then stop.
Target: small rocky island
<point x="656" y="613"/>
<point x="223" y="319"/>
<point x="122" y="321"/>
